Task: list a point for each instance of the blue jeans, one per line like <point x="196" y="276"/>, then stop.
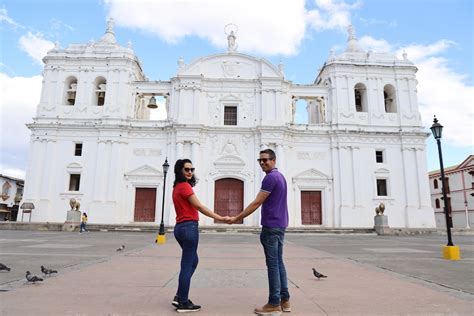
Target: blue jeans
<point x="187" y="235"/>
<point x="272" y="242"/>
<point x="82" y="227"/>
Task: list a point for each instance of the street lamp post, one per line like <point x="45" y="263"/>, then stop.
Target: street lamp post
<point x="450" y="251"/>
<point x="161" y="238"/>
<point x="467" y="215"/>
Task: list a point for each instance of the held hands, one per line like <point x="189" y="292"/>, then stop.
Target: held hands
<point x="231" y="219"/>
<point x="227" y="219"/>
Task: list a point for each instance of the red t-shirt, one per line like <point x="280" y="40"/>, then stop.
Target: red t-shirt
<point x="184" y="210"/>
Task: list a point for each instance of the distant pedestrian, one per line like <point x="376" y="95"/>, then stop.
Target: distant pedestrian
<point x="186" y="230"/>
<point x="273" y="199"/>
<point x="83" y="223"/>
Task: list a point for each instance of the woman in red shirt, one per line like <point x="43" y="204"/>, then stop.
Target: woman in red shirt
<point x="186" y="230"/>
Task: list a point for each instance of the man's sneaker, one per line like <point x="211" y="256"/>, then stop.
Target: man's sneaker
<point x="268" y="309"/>
<point x="285" y="305"/>
<point x="188" y="307"/>
<point x="175" y="301"/>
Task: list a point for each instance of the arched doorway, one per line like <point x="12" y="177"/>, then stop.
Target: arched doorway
<point x="228" y="197"/>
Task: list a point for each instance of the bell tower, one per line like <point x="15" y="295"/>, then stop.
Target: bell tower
<point x="90" y="81"/>
<point x="369" y="88"/>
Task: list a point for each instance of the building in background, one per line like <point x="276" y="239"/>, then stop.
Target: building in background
<point x="460" y="191"/>
<point x="12" y="193"/>
<point x="363" y="143"/>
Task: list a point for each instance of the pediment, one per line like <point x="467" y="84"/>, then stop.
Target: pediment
<point x="229" y="161"/>
<point x="145" y="170"/>
<point x="469" y="161"/>
<point x="230" y="98"/>
<point x="382" y="171"/>
<point x="311" y="174"/>
<point x="232" y="66"/>
<point x="74" y="166"/>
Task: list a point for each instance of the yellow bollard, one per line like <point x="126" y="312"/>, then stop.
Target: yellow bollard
<point x="451" y="252"/>
<point x="160" y="239"/>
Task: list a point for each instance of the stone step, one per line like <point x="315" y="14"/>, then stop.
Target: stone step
<point x="230" y="229"/>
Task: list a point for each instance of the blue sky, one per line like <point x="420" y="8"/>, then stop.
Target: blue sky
<point x="437" y="36"/>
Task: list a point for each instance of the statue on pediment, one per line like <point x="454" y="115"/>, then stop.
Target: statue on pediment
<point x="231" y="30"/>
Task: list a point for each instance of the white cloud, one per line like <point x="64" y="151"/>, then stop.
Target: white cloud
<point x="5" y="18"/>
<point x="376" y="45"/>
<point x="331" y="14"/>
<point x="35" y="46"/>
<point x="445" y="93"/>
<point x="58" y="25"/>
<point x="266" y="26"/>
<point x="418" y="52"/>
<point x="19" y="97"/>
<point x="441" y="90"/>
<point x="376" y="22"/>
<point x="13" y="172"/>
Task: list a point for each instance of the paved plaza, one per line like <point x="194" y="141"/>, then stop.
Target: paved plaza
<point x="367" y="274"/>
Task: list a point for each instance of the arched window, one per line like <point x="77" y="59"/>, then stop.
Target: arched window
<point x="70" y="91"/>
<point x="360" y="95"/>
<point x="437" y="203"/>
<point x="100" y="87"/>
<point x="435" y="183"/>
<point x="389" y="98"/>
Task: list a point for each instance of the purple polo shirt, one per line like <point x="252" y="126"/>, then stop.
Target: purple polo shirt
<point x="275" y="207"/>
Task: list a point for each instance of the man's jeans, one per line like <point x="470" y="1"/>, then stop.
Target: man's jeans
<point x="272" y="242"/>
<point x="187" y="235"/>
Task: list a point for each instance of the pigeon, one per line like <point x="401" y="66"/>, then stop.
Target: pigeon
<point x="47" y="272"/>
<point x="4" y="267"/>
<point x="121" y="248"/>
<point x="318" y="275"/>
<point x="32" y="278"/>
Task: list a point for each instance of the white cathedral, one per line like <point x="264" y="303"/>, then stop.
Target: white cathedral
<point x="93" y="140"/>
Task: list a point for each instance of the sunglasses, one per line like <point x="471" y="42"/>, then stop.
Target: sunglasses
<point x="189" y="169"/>
<point x="264" y="160"/>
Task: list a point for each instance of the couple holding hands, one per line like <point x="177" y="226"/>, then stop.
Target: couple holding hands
<point x="273" y="199"/>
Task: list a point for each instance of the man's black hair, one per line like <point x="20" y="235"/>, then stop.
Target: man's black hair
<point x="270" y="152"/>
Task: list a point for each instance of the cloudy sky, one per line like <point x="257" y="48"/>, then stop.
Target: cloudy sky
<point x="436" y="34"/>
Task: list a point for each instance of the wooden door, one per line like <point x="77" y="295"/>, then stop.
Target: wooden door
<point x="311" y="208"/>
<point x="145" y="201"/>
<point x="228" y="197"/>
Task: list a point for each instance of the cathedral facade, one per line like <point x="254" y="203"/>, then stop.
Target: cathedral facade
<point x="92" y="138"/>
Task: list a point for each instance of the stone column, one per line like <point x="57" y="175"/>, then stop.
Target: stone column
<point x="50" y="159"/>
<point x="113" y="171"/>
<point x="179" y="150"/>
<point x="195" y="153"/>
<point x="84" y="90"/>
<point x="102" y="163"/>
<point x="411" y="188"/>
<point x="336" y="186"/>
<point x="355" y="151"/>
<point x="35" y="173"/>
<point x="347" y="177"/>
<point x="280" y="157"/>
<point x="278" y="106"/>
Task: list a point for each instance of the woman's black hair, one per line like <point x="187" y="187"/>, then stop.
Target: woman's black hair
<point x="178" y="173"/>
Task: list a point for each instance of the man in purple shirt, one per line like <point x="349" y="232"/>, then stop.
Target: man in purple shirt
<point x="272" y="197"/>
